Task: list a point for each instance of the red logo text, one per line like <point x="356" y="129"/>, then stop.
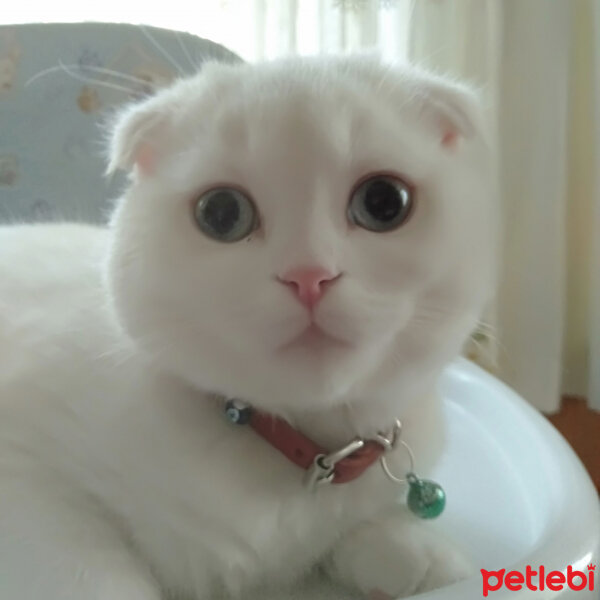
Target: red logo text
<point x="538" y="580"/>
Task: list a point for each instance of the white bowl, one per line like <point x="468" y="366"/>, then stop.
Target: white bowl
<point x="517" y="493"/>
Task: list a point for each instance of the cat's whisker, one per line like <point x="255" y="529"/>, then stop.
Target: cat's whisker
<point x="42" y="74"/>
<point x="487" y="328"/>
<point x="167" y="56"/>
<point x="423" y="61"/>
<point x="90" y="80"/>
<point x="71" y="70"/>
<point x="117" y="74"/>
<point x="185" y="51"/>
<point x="486" y="353"/>
<point x="433" y="313"/>
<point x="494" y="339"/>
<point x="478" y="345"/>
<point x="383" y="80"/>
<point x="105" y="84"/>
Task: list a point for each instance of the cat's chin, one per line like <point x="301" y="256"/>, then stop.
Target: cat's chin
<point x="314" y="339"/>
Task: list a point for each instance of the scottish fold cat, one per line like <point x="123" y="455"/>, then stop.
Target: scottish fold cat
<point x="313" y="236"/>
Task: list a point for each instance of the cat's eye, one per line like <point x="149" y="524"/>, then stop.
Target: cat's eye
<point x="225" y="214"/>
<point x="380" y="203"/>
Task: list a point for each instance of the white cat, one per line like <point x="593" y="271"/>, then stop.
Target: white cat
<point x="313" y="236"/>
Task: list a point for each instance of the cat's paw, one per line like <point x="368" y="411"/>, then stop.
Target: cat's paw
<point x="393" y="560"/>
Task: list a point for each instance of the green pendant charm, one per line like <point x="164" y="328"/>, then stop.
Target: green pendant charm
<point x="426" y="498"/>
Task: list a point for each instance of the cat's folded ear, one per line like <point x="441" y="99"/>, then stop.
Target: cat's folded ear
<point x="138" y="135"/>
<point x="453" y="110"/>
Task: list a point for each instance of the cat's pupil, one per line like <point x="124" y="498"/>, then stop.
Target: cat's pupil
<point x="382" y="201"/>
<point x="222" y="212"/>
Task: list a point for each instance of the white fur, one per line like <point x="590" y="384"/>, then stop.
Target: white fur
<point x="119" y="477"/>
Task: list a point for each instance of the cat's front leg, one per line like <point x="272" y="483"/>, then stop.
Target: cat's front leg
<point x="59" y="546"/>
<point x="396" y="555"/>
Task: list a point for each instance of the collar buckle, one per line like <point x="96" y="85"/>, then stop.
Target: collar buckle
<point x="322" y="470"/>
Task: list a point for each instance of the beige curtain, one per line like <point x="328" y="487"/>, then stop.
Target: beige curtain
<point x="538" y="64"/>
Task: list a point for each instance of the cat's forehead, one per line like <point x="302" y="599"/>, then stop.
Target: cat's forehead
<point x="298" y="118"/>
<point x="287" y="105"/>
<point x="300" y="112"/>
<point x="344" y="104"/>
<point x="290" y="95"/>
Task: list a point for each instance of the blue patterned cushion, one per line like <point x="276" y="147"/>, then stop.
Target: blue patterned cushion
<point x="51" y="140"/>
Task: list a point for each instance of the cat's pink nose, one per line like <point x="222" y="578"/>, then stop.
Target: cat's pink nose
<point x="308" y="283"/>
